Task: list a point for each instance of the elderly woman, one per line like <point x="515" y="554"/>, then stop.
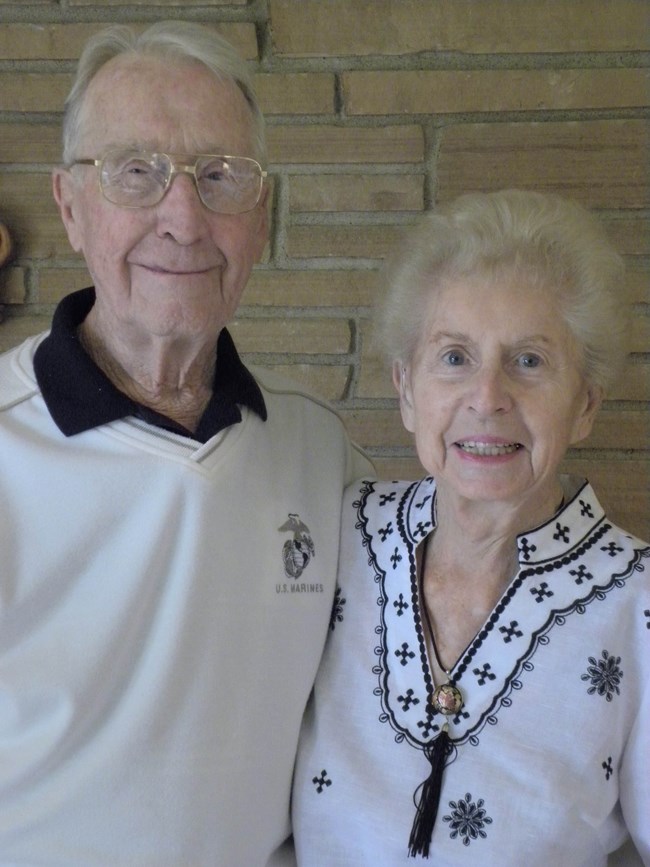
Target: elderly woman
<point x="485" y="695"/>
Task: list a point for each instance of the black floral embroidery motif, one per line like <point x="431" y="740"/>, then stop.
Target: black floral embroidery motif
<point x="607" y="767"/>
<point x="337" y="609"/>
<point x="605" y="675"/>
<point x="467" y="819"/>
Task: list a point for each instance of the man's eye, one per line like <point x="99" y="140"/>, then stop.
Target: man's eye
<point x="214" y="176"/>
<point x="136" y="168"/>
<point x="214" y="172"/>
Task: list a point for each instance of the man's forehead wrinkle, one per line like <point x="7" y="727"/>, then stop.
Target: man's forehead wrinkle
<point x="189" y="130"/>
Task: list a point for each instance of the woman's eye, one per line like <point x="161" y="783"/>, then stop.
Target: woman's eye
<point x="454" y="357"/>
<point x="529" y="360"/>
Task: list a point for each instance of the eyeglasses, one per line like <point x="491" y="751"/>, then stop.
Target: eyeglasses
<point x="140" y="179"/>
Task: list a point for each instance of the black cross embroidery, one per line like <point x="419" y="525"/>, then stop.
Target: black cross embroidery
<point x="580" y="574"/>
<point x="484" y="674"/>
<point x="387" y="498"/>
<point x="561" y="533"/>
<point x="408" y="700"/>
<point x="542" y="592"/>
<point x="421" y="528"/>
<point x="427" y="726"/>
<point x="585" y="509"/>
<point x="423" y="502"/>
<point x="510" y="632"/>
<point x="322" y="781"/>
<point x="607" y="767"/>
<point x="460" y="716"/>
<point x="395" y="558"/>
<point x="400" y="605"/>
<point x="404" y="654"/>
<point x="527" y="549"/>
<point x="386" y="531"/>
<point x="612" y="549"/>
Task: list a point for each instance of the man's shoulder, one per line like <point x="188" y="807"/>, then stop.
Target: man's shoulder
<point x="294" y="409"/>
<point x="17" y="381"/>
<point x="277" y="387"/>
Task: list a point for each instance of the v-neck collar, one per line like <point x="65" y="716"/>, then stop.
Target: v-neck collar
<point x="553" y="581"/>
<point x="79" y="396"/>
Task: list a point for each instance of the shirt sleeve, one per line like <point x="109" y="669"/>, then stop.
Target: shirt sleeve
<point x="634" y="780"/>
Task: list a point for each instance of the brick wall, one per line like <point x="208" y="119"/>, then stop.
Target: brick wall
<point x="376" y="109"/>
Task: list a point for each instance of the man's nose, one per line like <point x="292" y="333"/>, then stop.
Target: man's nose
<point x="181" y="213"/>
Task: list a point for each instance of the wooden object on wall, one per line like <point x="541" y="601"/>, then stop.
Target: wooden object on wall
<point x="5" y="245"/>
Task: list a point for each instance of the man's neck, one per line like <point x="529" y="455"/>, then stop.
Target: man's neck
<point x="172" y="378"/>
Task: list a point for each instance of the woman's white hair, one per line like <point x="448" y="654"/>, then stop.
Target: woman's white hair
<point x="168" y="39"/>
<point x="544" y="239"/>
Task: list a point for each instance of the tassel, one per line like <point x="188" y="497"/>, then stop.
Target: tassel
<point x="427" y="808"/>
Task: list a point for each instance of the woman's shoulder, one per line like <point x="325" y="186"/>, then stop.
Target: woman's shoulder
<point x="385" y="491"/>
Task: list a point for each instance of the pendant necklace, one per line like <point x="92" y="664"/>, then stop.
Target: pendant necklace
<point x="447" y="699"/>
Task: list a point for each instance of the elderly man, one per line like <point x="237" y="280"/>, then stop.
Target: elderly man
<point x="170" y="519"/>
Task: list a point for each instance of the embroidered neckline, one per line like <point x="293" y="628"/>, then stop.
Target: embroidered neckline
<point x="487" y="681"/>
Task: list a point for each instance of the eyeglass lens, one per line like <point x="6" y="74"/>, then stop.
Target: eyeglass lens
<point x="227" y="185"/>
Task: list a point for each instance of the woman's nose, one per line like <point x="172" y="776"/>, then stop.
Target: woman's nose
<point x="491" y="392"/>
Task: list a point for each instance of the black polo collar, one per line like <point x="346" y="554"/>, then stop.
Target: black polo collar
<point x="79" y="396"/>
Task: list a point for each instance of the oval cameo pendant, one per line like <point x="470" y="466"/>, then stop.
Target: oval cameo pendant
<point x="447" y="699"/>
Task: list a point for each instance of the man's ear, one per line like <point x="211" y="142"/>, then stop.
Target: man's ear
<point x="592" y="401"/>
<point x="65" y="191"/>
<point x="402" y="383"/>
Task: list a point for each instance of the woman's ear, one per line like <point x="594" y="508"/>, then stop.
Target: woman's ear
<point x="402" y="383"/>
<point x="592" y="401"/>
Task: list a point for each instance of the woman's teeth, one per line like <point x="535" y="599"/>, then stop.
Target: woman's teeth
<point x="488" y="449"/>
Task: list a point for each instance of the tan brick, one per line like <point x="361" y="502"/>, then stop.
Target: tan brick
<point x="303" y="28"/>
<point x="296" y="93"/>
<point x="341" y="288"/>
<point x="33" y="91"/>
<point x="372" y="242"/>
<point x="344" y="192"/>
<point x="492" y="90"/>
<point x="55" y="283"/>
<point x="12" y="285"/>
<point x="634" y="382"/>
<point x="375" y="428"/>
<point x="390" y="468"/>
<point x="629" y="234"/>
<point x="146" y="3"/>
<point x="603" y="164"/>
<point x="637" y="282"/>
<point x="28" y="209"/>
<point x="638" y="338"/>
<point x="309" y="336"/>
<point x="339" y="145"/>
<point x="619" y="429"/>
<point x="30" y="143"/>
<point x="375" y="377"/>
<point x="44" y="41"/>
<point x="324" y="381"/>
<point x="66" y="41"/>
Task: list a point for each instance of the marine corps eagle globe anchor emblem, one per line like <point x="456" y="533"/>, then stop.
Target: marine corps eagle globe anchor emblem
<point x="296" y="552"/>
